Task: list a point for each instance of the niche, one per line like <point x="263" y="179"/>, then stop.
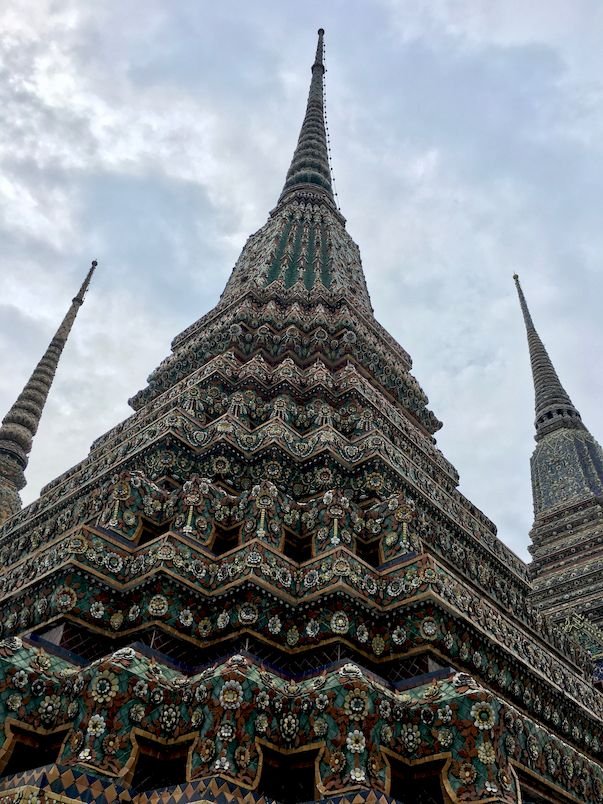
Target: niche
<point x="149" y="531"/>
<point x="416" y="786"/>
<point x="159" y="765"/>
<point x="298" y="548"/>
<point x="288" y="778"/>
<point x="31" y="750"/>
<point x="369" y="552"/>
<point x="225" y="540"/>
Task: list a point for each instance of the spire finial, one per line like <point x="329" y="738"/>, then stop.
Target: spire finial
<point x="21" y="422"/>
<point x="320" y="50"/>
<point x="86" y="283"/>
<point x="554" y="408"/>
<point x="309" y="167"/>
<point x="524" y="305"/>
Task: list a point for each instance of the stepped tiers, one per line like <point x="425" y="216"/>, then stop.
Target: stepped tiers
<point x="20" y="424"/>
<point x="567" y="482"/>
<point x="265" y="586"/>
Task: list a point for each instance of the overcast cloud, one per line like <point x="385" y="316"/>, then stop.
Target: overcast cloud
<point x="154" y="136"/>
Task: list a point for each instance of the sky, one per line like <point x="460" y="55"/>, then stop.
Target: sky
<point x="467" y="144"/>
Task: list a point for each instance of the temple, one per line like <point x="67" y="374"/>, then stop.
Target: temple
<point x="265" y="586"/>
<point x="567" y="484"/>
<point x="20" y="424"/>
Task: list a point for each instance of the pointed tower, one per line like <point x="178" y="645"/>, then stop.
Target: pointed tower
<point x="265" y="585"/>
<point x="554" y="408"/>
<point x="309" y="167"/>
<point x="567" y="484"/>
<point x="20" y="424"/>
<point x="304" y="252"/>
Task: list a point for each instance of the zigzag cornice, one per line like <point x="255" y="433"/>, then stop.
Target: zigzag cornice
<point x="288" y="336"/>
<point x="367" y="582"/>
<point x="348" y="452"/>
<point x="301" y="379"/>
<point x="20" y="542"/>
<point x="324" y="439"/>
<point x="48" y="556"/>
<point x="166" y="705"/>
<point x="125" y="568"/>
<point x="270" y="309"/>
<point x="270" y="316"/>
<point x="349" y="386"/>
<point x="326" y="303"/>
<point x="227" y="366"/>
<point x="423" y="620"/>
<point x="207" y="576"/>
<point x="498" y="580"/>
<point x="283" y="302"/>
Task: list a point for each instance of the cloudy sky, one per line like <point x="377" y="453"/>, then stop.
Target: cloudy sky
<point x="154" y="136"/>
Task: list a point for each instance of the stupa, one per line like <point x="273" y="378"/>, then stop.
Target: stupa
<point x="567" y="486"/>
<point x="265" y="586"/>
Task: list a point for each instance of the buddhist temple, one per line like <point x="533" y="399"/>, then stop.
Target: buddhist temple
<point x="567" y="485"/>
<point x="265" y="586"/>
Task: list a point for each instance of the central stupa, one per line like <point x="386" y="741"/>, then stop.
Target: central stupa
<point x="265" y="586"/>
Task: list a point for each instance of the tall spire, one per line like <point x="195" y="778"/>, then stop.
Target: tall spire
<point x="21" y="422"/>
<point x="310" y="163"/>
<point x="303" y="249"/>
<point x="566" y="468"/>
<point x="554" y="408"/>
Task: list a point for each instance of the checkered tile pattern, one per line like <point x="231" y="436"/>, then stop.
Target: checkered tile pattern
<point x="60" y="784"/>
<point x="57" y="783"/>
<point x="214" y="789"/>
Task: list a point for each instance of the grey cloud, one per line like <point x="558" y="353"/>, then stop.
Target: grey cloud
<point x="466" y="145"/>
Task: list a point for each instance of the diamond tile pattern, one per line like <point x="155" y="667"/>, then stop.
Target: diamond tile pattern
<point x="52" y="783"/>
